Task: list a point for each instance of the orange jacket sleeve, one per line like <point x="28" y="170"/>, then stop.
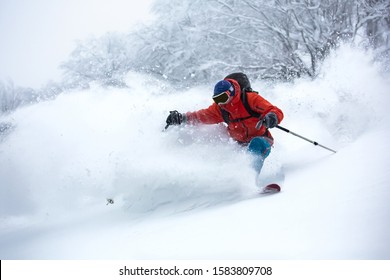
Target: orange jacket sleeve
<point x="211" y="115"/>
<point x="262" y="106"/>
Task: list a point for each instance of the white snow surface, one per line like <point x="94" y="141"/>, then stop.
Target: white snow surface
<point x="189" y="192"/>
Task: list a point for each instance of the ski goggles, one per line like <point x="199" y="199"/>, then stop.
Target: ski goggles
<point x="222" y="98"/>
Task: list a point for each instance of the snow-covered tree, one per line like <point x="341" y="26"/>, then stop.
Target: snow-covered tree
<point x="268" y="39"/>
<point x="104" y="60"/>
<point x="12" y="96"/>
<point x="196" y="41"/>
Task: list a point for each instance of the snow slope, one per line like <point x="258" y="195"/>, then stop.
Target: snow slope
<point x="188" y="192"/>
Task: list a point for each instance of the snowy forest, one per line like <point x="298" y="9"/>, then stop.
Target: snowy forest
<point x="192" y="42"/>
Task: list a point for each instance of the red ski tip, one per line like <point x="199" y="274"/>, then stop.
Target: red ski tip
<point x="271" y="188"/>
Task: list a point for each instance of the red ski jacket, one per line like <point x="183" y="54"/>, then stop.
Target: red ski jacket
<point x="243" y="130"/>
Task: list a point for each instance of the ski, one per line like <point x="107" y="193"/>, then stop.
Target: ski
<point x="270" y="189"/>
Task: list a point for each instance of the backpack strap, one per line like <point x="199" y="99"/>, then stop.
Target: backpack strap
<point x="225" y="115"/>
<point x="226" y="118"/>
<point x="244" y="100"/>
<point x="248" y="108"/>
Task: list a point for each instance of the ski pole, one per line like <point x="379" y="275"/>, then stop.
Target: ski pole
<point x="304" y="138"/>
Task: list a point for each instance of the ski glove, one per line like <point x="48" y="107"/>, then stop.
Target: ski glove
<point x="270" y="120"/>
<point x="175" y="118"/>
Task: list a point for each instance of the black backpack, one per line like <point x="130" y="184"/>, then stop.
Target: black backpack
<point x="245" y="86"/>
<point x="242" y="80"/>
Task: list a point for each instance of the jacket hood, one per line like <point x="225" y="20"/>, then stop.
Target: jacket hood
<point x="237" y="93"/>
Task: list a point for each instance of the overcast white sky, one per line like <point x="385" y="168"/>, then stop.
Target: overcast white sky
<point x="37" y="35"/>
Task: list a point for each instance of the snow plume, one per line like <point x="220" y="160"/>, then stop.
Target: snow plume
<point x="70" y="154"/>
<point x="63" y="158"/>
<point x="349" y="97"/>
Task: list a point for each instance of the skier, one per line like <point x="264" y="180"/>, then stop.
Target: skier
<point x="248" y="116"/>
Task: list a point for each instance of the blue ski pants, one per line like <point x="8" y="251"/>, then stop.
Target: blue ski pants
<point x="260" y="147"/>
